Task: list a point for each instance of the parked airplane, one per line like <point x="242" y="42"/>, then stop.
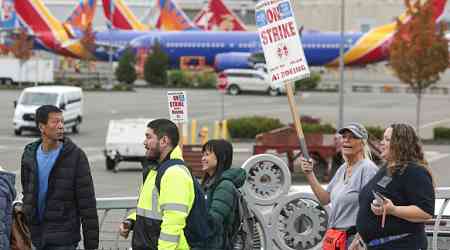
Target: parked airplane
<point x="217" y="16"/>
<point x="81" y="17"/>
<point x="165" y="16"/>
<point x="52" y="35"/>
<point x="233" y="49"/>
<point x="226" y="49"/>
<point x="119" y="16"/>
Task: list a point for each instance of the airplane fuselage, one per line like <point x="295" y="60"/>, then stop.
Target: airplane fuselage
<point x="321" y="48"/>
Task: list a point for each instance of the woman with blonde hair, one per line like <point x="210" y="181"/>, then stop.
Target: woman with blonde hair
<point x="345" y="186"/>
<point x="395" y="204"/>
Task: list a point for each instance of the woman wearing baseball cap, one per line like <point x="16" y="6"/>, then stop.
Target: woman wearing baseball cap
<point x="344" y="188"/>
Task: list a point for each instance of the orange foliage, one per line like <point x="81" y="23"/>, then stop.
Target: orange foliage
<point x="419" y="52"/>
<point x="22" y="47"/>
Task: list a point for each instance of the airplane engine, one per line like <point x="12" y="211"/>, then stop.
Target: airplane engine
<point x="232" y="60"/>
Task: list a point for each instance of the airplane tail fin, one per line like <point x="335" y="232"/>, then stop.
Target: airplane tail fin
<point x="119" y="16"/>
<point x="217" y="16"/>
<point x="8" y="16"/>
<point x="172" y="17"/>
<point x="83" y="14"/>
<point x="47" y="29"/>
<point x="81" y="18"/>
<point x="380" y="37"/>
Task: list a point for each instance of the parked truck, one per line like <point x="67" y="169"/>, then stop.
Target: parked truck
<point x="124" y="141"/>
<point x="33" y="70"/>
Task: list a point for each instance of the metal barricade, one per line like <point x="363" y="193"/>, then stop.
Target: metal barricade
<point x="441" y="193"/>
<point x="118" y="208"/>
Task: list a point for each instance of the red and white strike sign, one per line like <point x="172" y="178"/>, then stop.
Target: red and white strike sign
<point x="280" y="41"/>
<point x="177" y="106"/>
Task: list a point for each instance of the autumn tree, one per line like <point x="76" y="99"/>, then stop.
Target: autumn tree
<point x="22" y="48"/>
<point x="419" y="51"/>
<point x="88" y="42"/>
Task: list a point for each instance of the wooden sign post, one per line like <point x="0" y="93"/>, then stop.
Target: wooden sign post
<point x="285" y="59"/>
<point x="296" y="118"/>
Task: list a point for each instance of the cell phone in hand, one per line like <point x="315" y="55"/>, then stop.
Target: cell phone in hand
<point x="378" y="197"/>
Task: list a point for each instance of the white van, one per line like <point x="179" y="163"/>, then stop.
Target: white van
<point x="68" y="99"/>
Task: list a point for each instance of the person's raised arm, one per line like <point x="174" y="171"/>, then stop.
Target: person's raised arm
<point x="307" y="167"/>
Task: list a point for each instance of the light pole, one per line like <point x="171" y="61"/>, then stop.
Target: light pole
<point x="341" y="68"/>
<point x="110" y="52"/>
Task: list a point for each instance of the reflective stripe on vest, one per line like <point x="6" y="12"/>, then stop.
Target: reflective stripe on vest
<point x="153" y="213"/>
<point x="148" y="213"/>
<point x="169" y="237"/>
<point x="175" y="207"/>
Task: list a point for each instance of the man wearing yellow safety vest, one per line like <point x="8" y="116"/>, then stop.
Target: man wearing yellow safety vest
<point x="166" y="199"/>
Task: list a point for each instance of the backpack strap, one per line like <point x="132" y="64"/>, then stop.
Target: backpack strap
<point x="162" y="169"/>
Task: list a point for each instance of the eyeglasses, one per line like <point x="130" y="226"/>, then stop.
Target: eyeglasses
<point x="349" y="136"/>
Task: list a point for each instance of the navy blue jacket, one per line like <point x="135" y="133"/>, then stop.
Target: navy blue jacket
<point x="7" y="196"/>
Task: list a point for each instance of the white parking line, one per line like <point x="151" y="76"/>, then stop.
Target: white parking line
<point x="16" y="138"/>
<point x="95" y="158"/>
<point x="431" y="124"/>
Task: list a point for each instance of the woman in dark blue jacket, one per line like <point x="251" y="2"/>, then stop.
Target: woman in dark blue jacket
<point x="7" y="196"/>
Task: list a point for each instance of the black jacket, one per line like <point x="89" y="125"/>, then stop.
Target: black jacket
<point x="70" y="198"/>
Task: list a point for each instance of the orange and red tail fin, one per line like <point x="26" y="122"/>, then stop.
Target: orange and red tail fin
<point x="83" y="15"/>
<point x="217" y="16"/>
<point x="172" y="17"/>
<point x="47" y="29"/>
<point x="119" y="16"/>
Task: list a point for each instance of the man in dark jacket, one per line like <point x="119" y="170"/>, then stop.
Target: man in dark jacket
<point x="7" y="196"/>
<point x="58" y="191"/>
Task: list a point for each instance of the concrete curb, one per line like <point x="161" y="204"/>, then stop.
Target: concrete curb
<point x="389" y="88"/>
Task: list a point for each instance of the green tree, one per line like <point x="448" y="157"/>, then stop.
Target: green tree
<point x="419" y="53"/>
<point x="156" y="66"/>
<point x="125" y="71"/>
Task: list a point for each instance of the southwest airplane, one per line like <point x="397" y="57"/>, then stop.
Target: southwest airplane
<point x="50" y="34"/>
<point x="217" y="16"/>
<point x="221" y="50"/>
<point x="165" y="16"/>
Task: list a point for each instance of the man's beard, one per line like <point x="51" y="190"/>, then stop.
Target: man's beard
<point x="155" y="155"/>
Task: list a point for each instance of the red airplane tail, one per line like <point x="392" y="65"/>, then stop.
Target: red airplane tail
<point x="48" y="30"/>
<point x="119" y="16"/>
<point x="217" y="16"/>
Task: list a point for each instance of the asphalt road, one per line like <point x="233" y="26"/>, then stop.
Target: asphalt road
<point x="206" y="107"/>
